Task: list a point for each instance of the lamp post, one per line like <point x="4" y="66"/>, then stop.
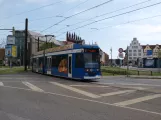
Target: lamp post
<point x="127" y="60"/>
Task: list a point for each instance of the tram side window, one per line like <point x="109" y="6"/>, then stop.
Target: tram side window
<point x="34" y="62"/>
<point x="54" y="61"/>
<point x="40" y="62"/>
<point x="49" y="62"/>
<point x="79" y="61"/>
<point x="59" y="59"/>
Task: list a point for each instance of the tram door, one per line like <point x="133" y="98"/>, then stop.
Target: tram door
<point x="70" y="65"/>
<point x="49" y="64"/>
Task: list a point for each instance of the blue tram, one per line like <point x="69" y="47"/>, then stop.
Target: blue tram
<point x="71" y="61"/>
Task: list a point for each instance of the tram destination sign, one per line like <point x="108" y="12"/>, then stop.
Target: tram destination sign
<point x="91" y="50"/>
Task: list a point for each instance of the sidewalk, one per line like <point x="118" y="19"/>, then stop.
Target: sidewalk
<point x="145" y="77"/>
<point x="133" y="76"/>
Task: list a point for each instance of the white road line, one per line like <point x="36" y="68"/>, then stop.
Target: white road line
<point x="76" y="90"/>
<point x="135" y="84"/>
<point x="88" y="86"/>
<point x="1" y="84"/>
<point x="33" y="87"/>
<point x="89" y="100"/>
<point x="137" y="100"/>
<point x="116" y="93"/>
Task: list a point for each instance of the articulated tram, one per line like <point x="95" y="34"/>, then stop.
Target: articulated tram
<point x="71" y="61"/>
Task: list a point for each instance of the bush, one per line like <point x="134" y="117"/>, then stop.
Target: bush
<point x="115" y="72"/>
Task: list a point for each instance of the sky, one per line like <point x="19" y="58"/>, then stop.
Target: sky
<point x="116" y="32"/>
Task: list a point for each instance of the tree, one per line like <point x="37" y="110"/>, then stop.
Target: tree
<point x="159" y="58"/>
<point x="46" y="46"/>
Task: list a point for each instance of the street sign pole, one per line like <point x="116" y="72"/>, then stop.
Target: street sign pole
<point x="25" y="48"/>
<point x="127" y="61"/>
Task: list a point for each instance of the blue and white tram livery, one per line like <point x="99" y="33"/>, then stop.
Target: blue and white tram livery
<point x="71" y="61"/>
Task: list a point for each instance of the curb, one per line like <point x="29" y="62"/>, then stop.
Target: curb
<point x="145" y="77"/>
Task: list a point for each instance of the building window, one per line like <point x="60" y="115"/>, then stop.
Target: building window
<point x="134" y="58"/>
<point x="134" y="54"/>
<point x="130" y="58"/>
<point x="130" y="50"/>
<point x="139" y="54"/>
<point x="134" y="50"/>
<point x="135" y="47"/>
<point x="139" y="50"/>
<point x="130" y="54"/>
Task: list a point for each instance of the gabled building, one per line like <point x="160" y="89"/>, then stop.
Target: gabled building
<point x="135" y="51"/>
<point x="150" y="56"/>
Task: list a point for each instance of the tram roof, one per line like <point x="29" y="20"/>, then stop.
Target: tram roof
<point x="68" y="47"/>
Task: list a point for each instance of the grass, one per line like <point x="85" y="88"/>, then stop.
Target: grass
<point x="4" y="66"/>
<point x="11" y="70"/>
<point x="106" y="71"/>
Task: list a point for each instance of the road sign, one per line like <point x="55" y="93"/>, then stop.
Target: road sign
<point x="121" y="55"/>
<point x="10" y="40"/>
<point x="120" y="50"/>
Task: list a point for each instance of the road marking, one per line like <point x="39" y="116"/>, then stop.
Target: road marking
<point x="135" y="84"/>
<point x="88" y="86"/>
<point x="116" y="93"/>
<point x="88" y="100"/>
<point x="76" y="90"/>
<point x="1" y="84"/>
<point x="33" y="87"/>
<point x="138" y="100"/>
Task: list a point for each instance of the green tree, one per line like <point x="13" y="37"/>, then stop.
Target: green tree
<point x="46" y="46"/>
<point x="159" y="59"/>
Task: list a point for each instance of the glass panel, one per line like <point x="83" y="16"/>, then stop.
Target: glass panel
<point x="91" y="60"/>
<point x="79" y="61"/>
<point x="70" y="67"/>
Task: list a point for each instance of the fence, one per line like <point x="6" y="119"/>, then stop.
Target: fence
<point x="130" y="72"/>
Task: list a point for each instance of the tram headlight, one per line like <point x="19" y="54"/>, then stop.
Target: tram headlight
<point x="97" y="69"/>
<point x="87" y="70"/>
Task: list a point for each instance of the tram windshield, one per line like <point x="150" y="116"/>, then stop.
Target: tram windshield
<point x="91" y="60"/>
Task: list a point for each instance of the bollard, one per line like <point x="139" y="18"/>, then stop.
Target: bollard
<point x="151" y="73"/>
<point x="113" y="73"/>
<point x="138" y="73"/>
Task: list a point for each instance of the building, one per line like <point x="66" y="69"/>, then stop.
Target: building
<point x="34" y="42"/>
<point x="104" y="58"/>
<point x="2" y="53"/>
<point x="135" y="52"/>
<point x="150" y="56"/>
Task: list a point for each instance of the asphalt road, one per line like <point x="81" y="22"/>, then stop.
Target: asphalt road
<point x="30" y="96"/>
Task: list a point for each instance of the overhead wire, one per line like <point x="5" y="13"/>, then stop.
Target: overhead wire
<point x="77" y="14"/>
<point x="51" y="16"/>
<point x="104" y="14"/>
<point x="131" y="21"/>
<point x="34" y="9"/>
<point x="113" y="16"/>
<point x="74" y="7"/>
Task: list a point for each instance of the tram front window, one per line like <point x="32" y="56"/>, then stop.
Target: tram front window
<point x="91" y="60"/>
